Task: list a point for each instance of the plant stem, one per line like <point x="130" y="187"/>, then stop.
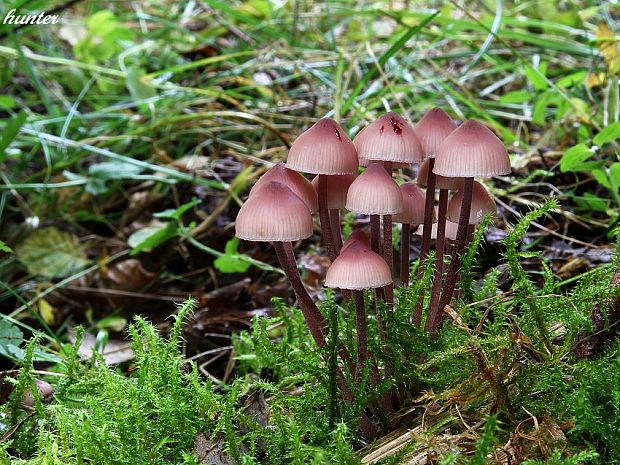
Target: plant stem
<point x="455" y="262"/>
<point x="375" y="233"/>
<point x="429" y="205"/>
<point x="314" y="318"/>
<point x="362" y="337"/>
<point x="405" y="235"/>
<point x="388" y="256"/>
<point x="439" y="254"/>
<point x="428" y="214"/>
<point x="334" y="218"/>
<point x="326" y="228"/>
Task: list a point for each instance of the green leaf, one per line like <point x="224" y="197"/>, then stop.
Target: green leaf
<point x="5" y="248"/>
<point x="7" y="102"/>
<point x="537" y="76"/>
<point x="614" y="173"/>
<point x="10" y="339"/>
<point x="608" y="134"/>
<point x="9" y="132"/>
<point x="100" y="173"/>
<point x="576" y="78"/>
<point x="232" y="261"/>
<point x="139" y="87"/>
<point x="146" y="239"/>
<point x="52" y="253"/>
<point x="601" y="178"/>
<point x="176" y="214"/>
<point x="516" y="96"/>
<point x="574" y="157"/>
<point x="592" y="202"/>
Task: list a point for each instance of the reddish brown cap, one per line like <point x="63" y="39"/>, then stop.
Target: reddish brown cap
<point x="356" y="236"/>
<point x="413" y="205"/>
<point x="389" y="138"/>
<point x="374" y="192"/>
<point x="337" y="188"/>
<point x="432" y="129"/>
<point x="481" y="204"/>
<point x="450" y="234"/>
<point x="323" y="149"/>
<point x="472" y="150"/>
<point x="294" y="181"/>
<point x="441" y="182"/>
<point x="358" y="267"/>
<point x="274" y="213"/>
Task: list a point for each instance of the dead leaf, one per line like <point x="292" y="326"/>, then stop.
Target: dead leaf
<point x="210" y="452"/>
<point x="113" y="353"/>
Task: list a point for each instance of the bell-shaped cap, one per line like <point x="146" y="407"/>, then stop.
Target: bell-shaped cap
<point x="337" y="188"/>
<point x="389" y="138"/>
<point x="273" y="213"/>
<point x="294" y="181"/>
<point x="356" y="236"/>
<point x="450" y="233"/>
<point x="432" y="129"/>
<point x="358" y="267"/>
<point x="481" y="204"/>
<point x="414" y="201"/>
<point x="374" y="192"/>
<point x="323" y="149"/>
<point x="471" y="150"/>
<point x="441" y="182"/>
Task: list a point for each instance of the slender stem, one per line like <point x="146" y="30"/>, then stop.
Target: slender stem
<point x="405" y="234"/>
<point x="388" y="256"/>
<point x="428" y="214"/>
<point x="362" y="337"/>
<point x="429" y="205"/>
<point x="375" y="233"/>
<point x="455" y="262"/>
<point x="326" y="230"/>
<point x="334" y="218"/>
<point x="314" y="318"/>
<point x="439" y="247"/>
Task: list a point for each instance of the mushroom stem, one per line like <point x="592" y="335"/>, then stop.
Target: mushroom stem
<point x="429" y="205"/>
<point x="405" y="234"/>
<point x="388" y="256"/>
<point x="314" y="318"/>
<point x="362" y="337"/>
<point x="326" y="227"/>
<point x="334" y="218"/>
<point x="439" y="247"/>
<point x="375" y="233"/>
<point x="455" y="262"/>
<point x="428" y="214"/>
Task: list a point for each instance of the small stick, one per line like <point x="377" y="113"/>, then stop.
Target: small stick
<point x="326" y="229"/>
<point x="455" y="262"/>
<point x="405" y="235"/>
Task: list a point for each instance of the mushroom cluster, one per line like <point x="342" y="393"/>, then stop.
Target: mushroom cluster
<point x="281" y="205"/>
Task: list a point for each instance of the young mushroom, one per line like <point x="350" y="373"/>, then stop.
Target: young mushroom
<point x="324" y="149"/>
<point x="294" y="181"/>
<point x="273" y="213"/>
<point x="412" y="215"/>
<point x="358" y="268"/>
<point x="337" y="188"/>
<point x="470" y="150"/>
<point x="389" y="139"/>
<point x="375" y="193"/>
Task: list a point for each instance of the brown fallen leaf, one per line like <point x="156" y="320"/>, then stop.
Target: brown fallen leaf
<point x="211" y="452"/>
<point x="113" y="353"/>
